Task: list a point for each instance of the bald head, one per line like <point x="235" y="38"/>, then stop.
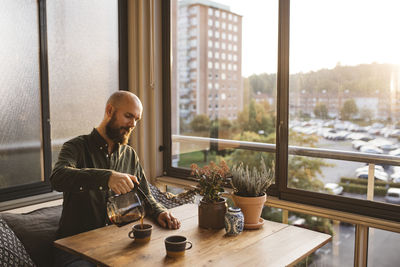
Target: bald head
<point x="123" y="97"/>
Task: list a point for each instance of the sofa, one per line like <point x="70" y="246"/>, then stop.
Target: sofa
<point x="27" y="239"/>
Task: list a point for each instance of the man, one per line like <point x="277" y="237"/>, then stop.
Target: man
<point x="90" y="165"/>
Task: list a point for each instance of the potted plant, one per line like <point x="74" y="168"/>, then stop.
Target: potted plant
<point x="212" y="207"/>
<point x="250" y="191"/>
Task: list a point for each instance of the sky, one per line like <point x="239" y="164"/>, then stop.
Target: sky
<point x="322" y="33"/>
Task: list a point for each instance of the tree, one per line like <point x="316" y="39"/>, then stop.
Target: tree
<point x="251" y="157"/>
<point x="200" y="123"/>
<point x="349" y="110"/>
<point x="321" y="111"/>
<point x="256" y="117"/>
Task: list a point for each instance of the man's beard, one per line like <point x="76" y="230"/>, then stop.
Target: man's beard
<point x="114" y="133"/>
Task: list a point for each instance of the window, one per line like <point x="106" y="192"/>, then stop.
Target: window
<point x="210" y="54"/>
<point x="210" y="22"/>
<point x="318" y="128"/>
<point x="68" y="83"/>
<point x="216" y="55"/>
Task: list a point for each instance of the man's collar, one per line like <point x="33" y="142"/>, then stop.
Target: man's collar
<point x="100" y="141"/>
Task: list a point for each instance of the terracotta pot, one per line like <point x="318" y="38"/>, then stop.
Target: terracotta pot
<point x="212" y="215"/>
<point x="251" y="207"/>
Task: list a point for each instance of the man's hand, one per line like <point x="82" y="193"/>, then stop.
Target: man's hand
<point x="121" y="183"/>
<point x="166" y="220"/>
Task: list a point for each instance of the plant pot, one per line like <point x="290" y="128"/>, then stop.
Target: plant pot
<point x="251" y="208"/>
<point x="212" y="215"/>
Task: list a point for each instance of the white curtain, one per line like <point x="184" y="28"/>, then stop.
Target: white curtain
<point x="145" y="80"/>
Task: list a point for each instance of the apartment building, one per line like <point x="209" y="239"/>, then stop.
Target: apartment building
<point x="208" y="78"/>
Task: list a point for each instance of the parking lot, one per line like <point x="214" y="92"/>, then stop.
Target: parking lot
<point x="346" y="136"/>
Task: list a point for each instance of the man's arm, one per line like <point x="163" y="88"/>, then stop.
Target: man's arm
<point x="67" y="176"/>
<point x="158" y="211"/>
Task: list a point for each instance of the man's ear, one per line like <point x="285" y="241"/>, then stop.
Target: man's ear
<point x="109" y="110"/>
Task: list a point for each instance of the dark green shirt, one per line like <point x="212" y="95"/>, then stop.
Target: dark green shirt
<point x="82" y="172"/>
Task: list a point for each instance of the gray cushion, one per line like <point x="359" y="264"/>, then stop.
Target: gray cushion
<point x="37" y="231"/>
<point x="12" y="252"/>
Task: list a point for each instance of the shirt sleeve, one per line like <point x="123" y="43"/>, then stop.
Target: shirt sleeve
<point x="68" y="177"/>
<point x="154" y="208"/>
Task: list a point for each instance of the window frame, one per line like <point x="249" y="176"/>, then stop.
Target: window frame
<point x="44" y="186"/>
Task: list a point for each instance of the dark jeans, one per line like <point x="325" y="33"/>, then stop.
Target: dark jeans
<point x="65" y="259"/>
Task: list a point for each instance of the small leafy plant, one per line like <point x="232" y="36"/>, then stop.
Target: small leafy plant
<point x="212" y="179"/>
<point x="254" y="183"/>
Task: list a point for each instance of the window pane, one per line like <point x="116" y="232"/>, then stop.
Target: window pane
<point x="336" y="253"/>
<point x="344" y="93"/>
<point x="231" y="91"/>
<point x="20" y="118"/>
<point x="83" y="65"/>
<point x="383" y="248"/>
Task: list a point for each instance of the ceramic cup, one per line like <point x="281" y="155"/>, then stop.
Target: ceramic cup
<point x="176" y="245"/>
<point x="139" y="234"/>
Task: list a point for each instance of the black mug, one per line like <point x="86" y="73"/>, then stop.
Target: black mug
<point x="176" y="245"/>
<point x="141" y="234"/>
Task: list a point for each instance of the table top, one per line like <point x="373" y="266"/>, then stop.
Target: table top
<point x="275" y="244"/>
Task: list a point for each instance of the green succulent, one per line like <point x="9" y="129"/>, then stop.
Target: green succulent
<point x="253" y="183"/>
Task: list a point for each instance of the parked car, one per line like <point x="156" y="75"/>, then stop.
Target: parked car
<point x="395" y="152"/>
<point x="334" y="188"/>
<point x="393" y="195"/>
<point x="383" y="176"/>
<point x="371" y="149"/>
<point x="358" y="143"/>
<point x="365" y="168"/>
<point x="395" y="177"/>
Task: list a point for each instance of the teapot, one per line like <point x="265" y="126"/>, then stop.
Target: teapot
<point x="126" y="208"/>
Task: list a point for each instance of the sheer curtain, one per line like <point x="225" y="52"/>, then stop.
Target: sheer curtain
<point x="144" y="33"/>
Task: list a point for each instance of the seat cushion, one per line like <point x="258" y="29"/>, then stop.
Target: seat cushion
<point x="12" y="252"/>
<point x="37" y="231"/>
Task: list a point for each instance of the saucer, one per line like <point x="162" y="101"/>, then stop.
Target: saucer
<point x="252" y="226"/>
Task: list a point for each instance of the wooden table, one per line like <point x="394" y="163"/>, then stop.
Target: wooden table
<point x="275" y="244"/>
